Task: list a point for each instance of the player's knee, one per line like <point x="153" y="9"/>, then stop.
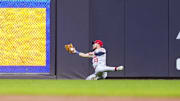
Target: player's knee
<point x="104" y="75"/>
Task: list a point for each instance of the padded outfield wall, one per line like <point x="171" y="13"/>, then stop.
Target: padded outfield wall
<point x="139" y="34"/>
<point x="142" y="35"/>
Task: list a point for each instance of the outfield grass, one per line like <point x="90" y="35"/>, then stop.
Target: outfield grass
<point x="145" y="88"/>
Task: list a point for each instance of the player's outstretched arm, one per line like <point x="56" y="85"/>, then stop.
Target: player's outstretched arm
<point x="71" y="49"/>
<point x="85" y="55"/>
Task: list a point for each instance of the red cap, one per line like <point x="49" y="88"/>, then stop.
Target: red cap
<point x="98" y="42"/>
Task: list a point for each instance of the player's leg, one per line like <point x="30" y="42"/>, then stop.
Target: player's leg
<point x="111" y="69"/>
<point x="97" y="75"/>
<point x="101" y="75"/>
<point x="91" y="77"/>
<point x="104" y="75"/>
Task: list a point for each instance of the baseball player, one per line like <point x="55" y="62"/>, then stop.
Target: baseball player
<point x="99" y="61"/>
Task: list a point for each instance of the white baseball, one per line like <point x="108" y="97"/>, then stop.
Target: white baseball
<point x="72" y="49"/>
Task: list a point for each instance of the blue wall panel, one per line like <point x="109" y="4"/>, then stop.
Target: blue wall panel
<point x="174" y="48"/>
<point x="72" y="27"/>
<point x="146" y="38"/>
<point x="108" y="25"/>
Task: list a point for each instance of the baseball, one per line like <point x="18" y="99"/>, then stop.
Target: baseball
<point x="72" y="49"/>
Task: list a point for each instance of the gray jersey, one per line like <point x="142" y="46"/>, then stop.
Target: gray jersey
<point x="99" y="57"/>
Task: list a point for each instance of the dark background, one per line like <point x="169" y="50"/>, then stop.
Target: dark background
<point x="139" y="34"/>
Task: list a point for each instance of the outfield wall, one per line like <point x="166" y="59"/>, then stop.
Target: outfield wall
<point x="139" y="34"/>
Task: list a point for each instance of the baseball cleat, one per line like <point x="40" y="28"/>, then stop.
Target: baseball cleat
<point x="120" y="68"/>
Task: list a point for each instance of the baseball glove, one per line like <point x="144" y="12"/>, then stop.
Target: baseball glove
<point x="70" y="48"/>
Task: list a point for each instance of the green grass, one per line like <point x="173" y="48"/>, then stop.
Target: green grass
<point x="145" y="88"/>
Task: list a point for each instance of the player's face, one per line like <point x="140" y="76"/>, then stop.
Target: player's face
<point x="94" y="46"/>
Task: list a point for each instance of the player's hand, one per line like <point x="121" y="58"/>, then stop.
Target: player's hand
<point x="73" y="50"/>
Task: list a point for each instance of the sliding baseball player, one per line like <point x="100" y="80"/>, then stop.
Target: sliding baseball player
<point x="98" y="59"/>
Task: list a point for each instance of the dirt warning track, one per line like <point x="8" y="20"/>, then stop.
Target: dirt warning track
<point x="81" y="98"/>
